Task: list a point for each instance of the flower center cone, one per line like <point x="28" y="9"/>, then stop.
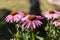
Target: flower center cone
<point x="13" y="12"/>
<point x="51" y="11"/>
<point x="31" y="17"/>
<point x="58" y="20"/>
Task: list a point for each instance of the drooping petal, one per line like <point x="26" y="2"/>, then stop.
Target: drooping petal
<point x="9" y="18"/>
<point x="33" y="25"/>
<point x="39" y="17"/>
<point x="36" y="23"/>
<point x="24" y="23"/>
<point x="39" y="22"/>
<point x="55" y="16"/>
<point x="29" y="23"/>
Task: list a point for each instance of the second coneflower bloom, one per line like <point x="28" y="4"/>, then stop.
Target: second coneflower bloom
<point x="51" y="14"/>
<point x="14" y="16"/>
<point x="31" y="21"/>
<point x="56" y="23"/>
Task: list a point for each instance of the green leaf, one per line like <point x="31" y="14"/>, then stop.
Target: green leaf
<point x="17" y="35"/>
<point x="46" y="28"/>
<point x="11" y="32"/>
<point x="40" y="38"/>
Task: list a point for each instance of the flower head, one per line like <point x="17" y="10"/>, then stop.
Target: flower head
<point x="51" y="14"/>
<point x="56" y="23"/>
<point x="31" y="21"/>
<point x="14" y="16"/>
<point x="18" y="16"/>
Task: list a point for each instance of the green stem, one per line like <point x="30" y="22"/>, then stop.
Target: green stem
<point x="33" y="37"/>
<point x="17" y="34"/>
<point x="50" y="32"/>
<point x="17" y="28"/>
<point x="50" y="28"/>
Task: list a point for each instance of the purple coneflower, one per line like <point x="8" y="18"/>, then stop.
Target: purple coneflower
<point x="14" y="16"/>
<point x="56" y="23"/>
<point x="51" y="14"/>
<point x="31" y="21"/>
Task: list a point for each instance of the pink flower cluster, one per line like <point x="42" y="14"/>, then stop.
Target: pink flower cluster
<point x="28" y="21"/>
<point x="32" y="21"/>
<point x="52" y="15"/>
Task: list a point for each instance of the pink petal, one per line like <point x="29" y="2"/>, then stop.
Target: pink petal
<point x="36" y="23"/>
<point x="33" y="24"/>
<point x="28" y="24"/>
<point x="24" y="23"/>
<point x="25" y="18"/>
<point x="39" y="17"/>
